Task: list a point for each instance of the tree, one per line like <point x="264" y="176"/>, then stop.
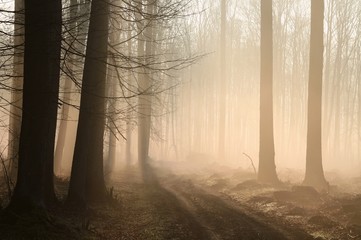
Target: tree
<point x="111" y="95"/>
<point x="87" y="176"/>
<point x="223" y="83"/>
<point x="314" y="171"/>
<point x="145" y="84"/>
<point x="34" y="187"/>
<point x="112" y="105"/>
<point x="128" y="154"/>
<point x="59" y="150"/>
<point x="267" y="168"/>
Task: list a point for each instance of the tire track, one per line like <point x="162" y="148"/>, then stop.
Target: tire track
<point x="223" y="220"/>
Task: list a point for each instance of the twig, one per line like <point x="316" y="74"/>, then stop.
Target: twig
<point x="254" y="168"/>
<point x="353" y="237"/>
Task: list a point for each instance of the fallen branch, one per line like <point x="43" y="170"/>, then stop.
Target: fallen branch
<point x="254" y="168"/>
<point x="353" y="237"/>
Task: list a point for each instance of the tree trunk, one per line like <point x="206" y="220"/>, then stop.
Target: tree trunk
<point x="145" y="99"/>
<point x="63" y="126"/>
<point x="267" y="168"/>
<point x="128" y="154"/>
<point x="327" y="116"/>
<point x="111" y="114"/>
<point x="314" y="170"/>
<point x="140" y="52"/>
<point x="87" y="176"/>
<point x="112" y="143"/>
<point x="223" y="84"/>
<point x="112" y="83"/>
<point x="34" y="187"/>
<point x="173" y="109"/>
<point x="62" y="133"/>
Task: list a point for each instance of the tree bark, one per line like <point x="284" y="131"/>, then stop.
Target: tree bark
<point x="267" y="168"/>
<point x="128" y="144"/>
<point x="63" y="126"/>
<point x="314" y="171"/>
<point x="223" y="84"/>
<point x="87" y="176"/>
<point x="144" y="101"/>
<point x="111" y="115"/>
<point x="34" y="187"/>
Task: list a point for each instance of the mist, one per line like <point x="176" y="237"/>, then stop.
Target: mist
<point x="188" y="121"/>
<point x="172" y="119"/>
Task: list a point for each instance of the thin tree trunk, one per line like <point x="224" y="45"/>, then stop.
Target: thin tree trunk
<point x="223" y="84"/>
<point x="112" y="92"/>
<point x="111" y="117"/>
<point x="328" y="81"/>
<point x="145" y="99"/>
<point x="314" y="171"/>
<point x="63" y="126"/>
<point x="140" y="53"/>
<point x="174" y="143"/>
<point x="62" y="134"/>
<point x="267" y="168"/>
<point x="128" y="144"/>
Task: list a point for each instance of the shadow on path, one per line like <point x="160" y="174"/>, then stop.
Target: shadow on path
<point x="227" y="221"/>
<point x="159" y="210"/>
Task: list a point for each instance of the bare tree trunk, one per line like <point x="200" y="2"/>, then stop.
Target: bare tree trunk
<point x="327" y="116"/>
<point x="59" y="150"/>
<point x="112" y="82"/>
<point x="87" y="176"/>
<point x="145" y="99"/>
<point x="111" y="115"/>
<point x="140" y="53"/>
<point x="34" y="187"/>
<point x="128" y="144"/>
<point x="174" y="143"/>
<point x="267" y="168"/>
<point x="223" y="84"/>
<point x="314" y="171"/>
<point x="358" y="75"/>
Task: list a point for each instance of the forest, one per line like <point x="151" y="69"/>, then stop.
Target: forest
<point x="180" y="119"/>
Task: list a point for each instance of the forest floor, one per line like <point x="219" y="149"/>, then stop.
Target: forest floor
<point x="198" y="202"/>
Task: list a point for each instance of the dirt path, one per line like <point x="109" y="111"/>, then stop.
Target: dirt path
<point x="190" y="207"/>
<point x="223" y="219"/>
<point x="177" y="209"/>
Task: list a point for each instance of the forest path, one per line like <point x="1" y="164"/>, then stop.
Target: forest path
<point x="174" y="208"/>
<point x="227" y="220"/>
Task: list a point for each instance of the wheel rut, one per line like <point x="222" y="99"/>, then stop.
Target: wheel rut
<point x="221" y="219"/>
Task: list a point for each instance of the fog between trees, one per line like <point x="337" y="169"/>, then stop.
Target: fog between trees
<point x="180" y="81"/>
<point x="198" y="99"/>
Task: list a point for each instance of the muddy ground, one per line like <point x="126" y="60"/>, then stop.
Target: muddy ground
<point x="199" y="203"/>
